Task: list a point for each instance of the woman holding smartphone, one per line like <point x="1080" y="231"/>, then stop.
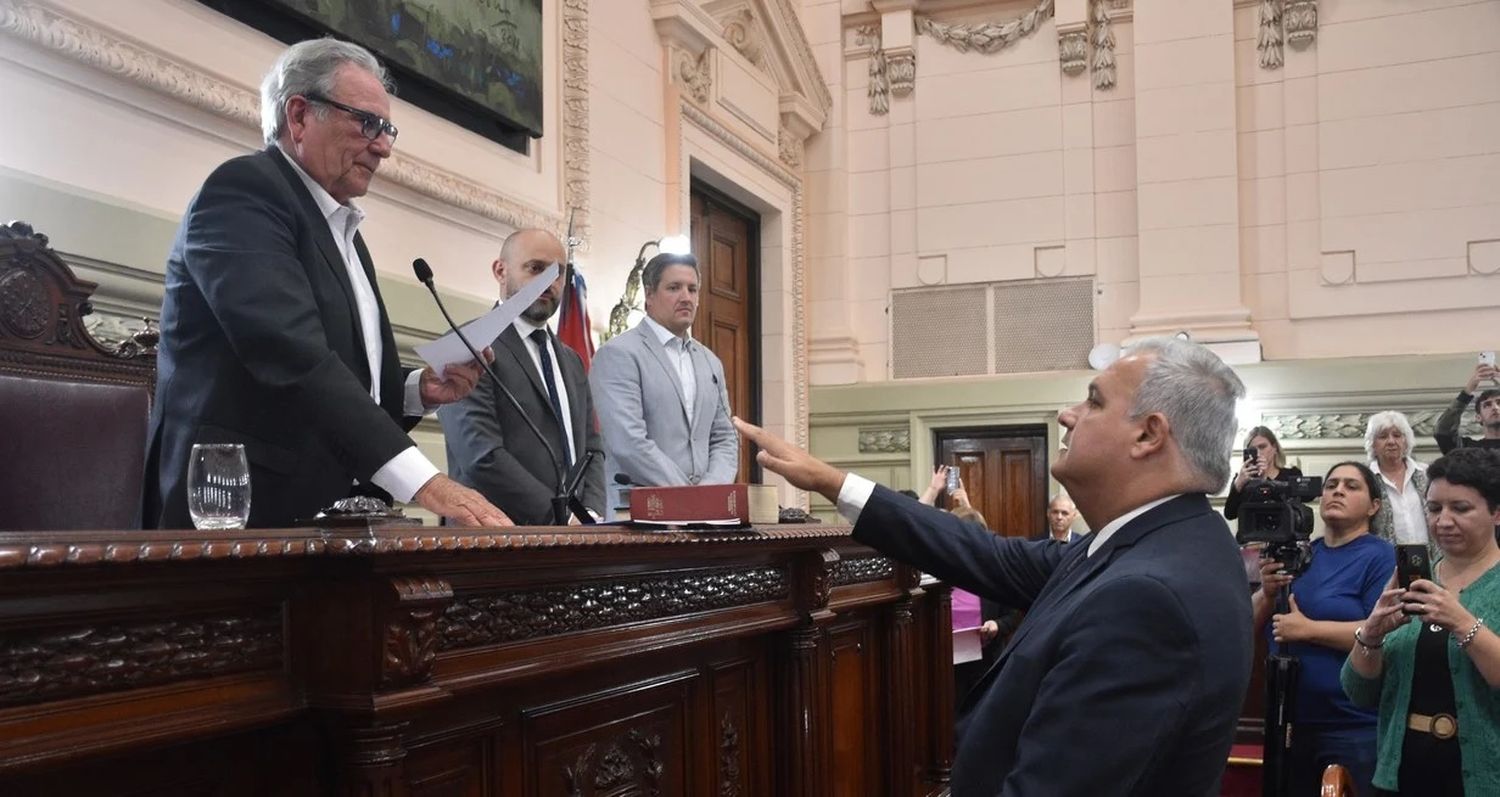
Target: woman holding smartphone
<point x="1437" y="680"/>
<point x="1348" y="569"/>
<point x="1266" y="462"/>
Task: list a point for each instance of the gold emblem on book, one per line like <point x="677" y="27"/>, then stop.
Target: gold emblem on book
<point x="653" y="506"/>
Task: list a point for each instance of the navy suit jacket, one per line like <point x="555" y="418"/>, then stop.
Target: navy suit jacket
<point x="1127" y="674"/>
<point x="261" y="345"/>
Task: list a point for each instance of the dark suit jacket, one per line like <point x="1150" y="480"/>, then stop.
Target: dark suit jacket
<point x="1127" y="674"/>
<point x="261" y="345"/>
<point x="491" y="450"/>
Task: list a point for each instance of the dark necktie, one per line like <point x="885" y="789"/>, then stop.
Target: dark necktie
<point x="540" y="338"/>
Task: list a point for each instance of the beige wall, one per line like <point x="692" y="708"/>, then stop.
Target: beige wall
<point x="1336" y="206"/>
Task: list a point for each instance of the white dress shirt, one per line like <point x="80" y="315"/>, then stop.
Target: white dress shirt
<point x="408" y="470"/>
<point x="1408" y="509"/>
<point x="680" y="354"/>
<point x="524" y="328"/>
<point x="856" y="490"/>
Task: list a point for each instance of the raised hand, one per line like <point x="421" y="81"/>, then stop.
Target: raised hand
<point x="800" y="468"/>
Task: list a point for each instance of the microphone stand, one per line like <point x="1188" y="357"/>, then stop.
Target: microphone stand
<point x="560" y="499"/>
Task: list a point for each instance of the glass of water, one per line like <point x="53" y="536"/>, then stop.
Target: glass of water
<point x="219" y="486"/>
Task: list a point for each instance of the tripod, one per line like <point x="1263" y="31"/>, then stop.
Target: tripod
<point x="1282" y="672"/>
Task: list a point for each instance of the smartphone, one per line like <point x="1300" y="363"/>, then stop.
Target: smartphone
<point x="1412" y="563"/>
<point x="1487" y="358"/>
<point x="1250" y="453"/>
<point x="952" y="479"/>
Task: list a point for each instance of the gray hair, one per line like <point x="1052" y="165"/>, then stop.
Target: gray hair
<point x="1060" y="496"/>
<point x="651" y="275"/>
<point x="1382" y="421"/>
<point x="309" y="67"/>
<point x="1196" y="392"/>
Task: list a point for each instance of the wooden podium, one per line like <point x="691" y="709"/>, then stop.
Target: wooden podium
<point x="785" y="660"/>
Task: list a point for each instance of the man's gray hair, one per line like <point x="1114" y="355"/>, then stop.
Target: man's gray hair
<point x="309" y="67"/>
<point x="1059" y="496"/>
<point x="1196" y="392"/>
<point x="1382" y="421"/>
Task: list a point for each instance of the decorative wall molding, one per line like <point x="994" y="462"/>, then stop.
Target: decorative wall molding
<point x="575" y="117"/>
<point x="985" y="37"/>
<point x="1300" y="19"/>
<point x="895" y="440"/>
<point x="1073" y="51"/>
<point x="703" y="121"/>
<point x="694" y="73"/>
<point x="71" y="662"/>
<point x="1351" y="425"/>
<point x="893" y="71"/>
<point x="496" y="618"/>
<point x="1104" y="46"/>
<point x="106" y="52"/>
<point x="790" y="147"/>
<point x="1294" y="21"/>
<point x="743" y="33"/>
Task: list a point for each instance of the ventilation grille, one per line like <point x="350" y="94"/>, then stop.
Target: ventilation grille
<point x="1043" y="325"/>
<point x="1017" y="326"/>
<point x="934" y="332"/>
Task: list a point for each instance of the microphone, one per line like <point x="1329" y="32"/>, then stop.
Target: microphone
<point x="423" y="272"/>
<point x="622" y="479"/>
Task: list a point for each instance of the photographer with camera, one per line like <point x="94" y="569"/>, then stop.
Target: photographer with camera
<point x="1263" y="460"/>
<point x="1437" y="681"/>
<point x="1345" y="573"/>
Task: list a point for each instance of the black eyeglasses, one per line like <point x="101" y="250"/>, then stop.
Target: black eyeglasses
<point x="369" y="124"/>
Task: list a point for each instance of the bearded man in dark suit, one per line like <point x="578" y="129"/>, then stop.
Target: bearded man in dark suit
<point x="273" y="333"/>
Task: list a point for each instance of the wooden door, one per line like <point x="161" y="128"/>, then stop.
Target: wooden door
<point x="1004" y="470"/>
<point x="726" y="240"/>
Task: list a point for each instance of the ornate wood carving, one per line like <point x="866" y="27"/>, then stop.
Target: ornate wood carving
<point x="729" y="757"/>
<point x="814" y="580"/>
<point x="527" y="614"/>
<point x="410" y="646"/>
<point x="629" y="766"/>
<point x="57" y="549"/>
<point x="53" y="663"/>
<point x="866" y="568"/>
<point x="42" y="310"/>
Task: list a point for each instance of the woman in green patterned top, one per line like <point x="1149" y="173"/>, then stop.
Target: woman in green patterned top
<point x="1437" y="680"/>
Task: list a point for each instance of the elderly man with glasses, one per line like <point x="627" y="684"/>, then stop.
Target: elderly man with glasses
<point x="273" y="333"/>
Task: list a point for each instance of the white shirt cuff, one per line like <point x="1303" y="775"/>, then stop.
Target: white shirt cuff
<point x="853" y="496"/>
<point x="412" y="400"/>
<point x="405" y="474"/>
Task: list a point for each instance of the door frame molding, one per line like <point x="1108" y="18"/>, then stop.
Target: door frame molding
<point x="699" y="186"/>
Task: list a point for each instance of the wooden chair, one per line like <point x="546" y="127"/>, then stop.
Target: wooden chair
<point x="73" y="411"/>
<point x="1336" y="782"/>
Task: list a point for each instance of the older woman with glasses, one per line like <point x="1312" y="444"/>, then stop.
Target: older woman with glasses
<point x="1437" y="680"/>
<point x="1402" y="519"/>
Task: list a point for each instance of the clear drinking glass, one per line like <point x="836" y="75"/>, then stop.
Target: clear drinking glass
<point x="219" y="486"/>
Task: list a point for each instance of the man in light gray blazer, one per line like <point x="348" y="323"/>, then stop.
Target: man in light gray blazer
<point x="661" y="396"/>
<point x="490" y="446"/>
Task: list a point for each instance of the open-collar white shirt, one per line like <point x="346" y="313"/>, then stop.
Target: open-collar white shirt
<point x="680" y="354"/>
<point x="408" y="470"/>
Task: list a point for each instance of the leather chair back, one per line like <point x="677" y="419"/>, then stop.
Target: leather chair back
<point x="73" y="411"/>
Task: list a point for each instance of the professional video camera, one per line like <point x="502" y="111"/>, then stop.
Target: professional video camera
<point x="1276" y="513"/>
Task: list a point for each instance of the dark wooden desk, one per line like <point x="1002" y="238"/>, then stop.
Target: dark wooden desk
<point x="410" y="661"/>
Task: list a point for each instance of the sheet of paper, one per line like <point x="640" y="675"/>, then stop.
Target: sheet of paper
<point x="966" y="645"/>
<point x="483" y="330"/>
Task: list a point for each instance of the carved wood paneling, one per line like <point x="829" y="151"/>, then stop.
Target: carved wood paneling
<point x="516" y="615"/>
<point x="56" y="663"/>
<point x="867" y="568"/>
<point x="410" y="645"/>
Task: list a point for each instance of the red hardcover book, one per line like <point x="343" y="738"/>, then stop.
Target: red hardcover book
<point x="715" y="504"/>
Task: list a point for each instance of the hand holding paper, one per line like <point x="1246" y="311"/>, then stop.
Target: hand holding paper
<point x="449" y="349"/>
